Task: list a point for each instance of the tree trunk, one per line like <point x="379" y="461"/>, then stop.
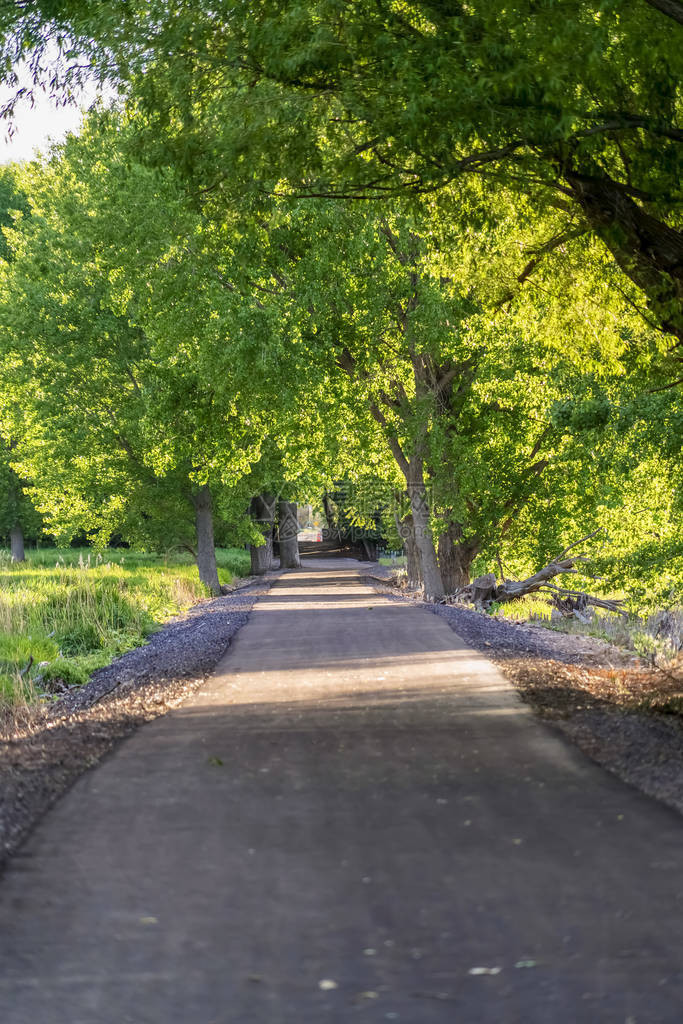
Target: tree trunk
<point x="431" y="577"/>
<point x="16" y="536"/>
<point x="367" y="549"/>
<point x="263" y="513"/>
<point x="288" y="532"/>
<point x="455" y="558"/>
<point x="406" y="533"/>
<point x="206" y="550"/>
<point x="646" y="249"/>
<point x="330" y="511"/>
<point x="413" y="563"/>
<point x="671" y="8"/>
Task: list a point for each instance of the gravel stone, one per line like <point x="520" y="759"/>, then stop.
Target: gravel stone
<point x="510" y="639"/>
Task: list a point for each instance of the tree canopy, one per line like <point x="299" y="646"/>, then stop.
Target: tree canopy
<point x="573" y="105"/>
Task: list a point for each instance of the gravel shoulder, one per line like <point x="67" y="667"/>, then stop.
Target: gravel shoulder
<point x="44" y="752"/>
<point x="620" y="712"/>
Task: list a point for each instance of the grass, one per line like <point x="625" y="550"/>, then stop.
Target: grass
<point x="66" y="612"/>
<point x="657" y="637"/>
<point x="397" y="562"/>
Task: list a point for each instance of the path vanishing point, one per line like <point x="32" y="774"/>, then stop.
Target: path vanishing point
<point x="355" y="819"/>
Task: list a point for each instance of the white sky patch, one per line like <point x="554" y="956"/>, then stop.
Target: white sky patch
<point x="35" y="127"/>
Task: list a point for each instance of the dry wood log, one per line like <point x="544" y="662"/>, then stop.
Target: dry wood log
<point x="484" y="590"/>
<point x="511" y="590"/>
<point x="483" y="587"/>
<point x="572" y="600"/>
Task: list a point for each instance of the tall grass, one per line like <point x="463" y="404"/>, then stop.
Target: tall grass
<point x="65" y="613"/>
<point x="657" y="637"/>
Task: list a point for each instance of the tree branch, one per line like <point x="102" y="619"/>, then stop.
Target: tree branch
<point x="600" y="529"/>
<point x="537" y="258"/>
<point x="391" y="438"/>
<point x="669" y="8"/>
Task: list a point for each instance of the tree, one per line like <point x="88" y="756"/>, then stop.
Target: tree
<point x="205" y="347"/>
<point x="465" y="402"/>
<point x="155" y="387"/>
<point x="114" y="426"/>
<point x="411" y="97"/>
<point x="288" y="529"/>
<point x="18" y="517"/>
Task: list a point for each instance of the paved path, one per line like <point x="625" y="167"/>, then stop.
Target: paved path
<point x="351" y="821"/>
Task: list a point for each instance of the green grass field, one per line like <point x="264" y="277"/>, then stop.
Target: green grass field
<point x="72" y="611"/>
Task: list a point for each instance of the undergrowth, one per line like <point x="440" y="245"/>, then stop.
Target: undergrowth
<point x="657" y="637"/>
<point x="66" y="612"/>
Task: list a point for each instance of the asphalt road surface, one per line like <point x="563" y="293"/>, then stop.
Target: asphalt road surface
<point x="354" y="820"/>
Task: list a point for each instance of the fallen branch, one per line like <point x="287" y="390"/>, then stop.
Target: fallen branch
<point x="568" y="601"/>
<point x="512" y="590"/>
<point x="484" y="590"/>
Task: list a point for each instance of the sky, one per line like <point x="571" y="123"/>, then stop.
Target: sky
<point x="36" y="126"/>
